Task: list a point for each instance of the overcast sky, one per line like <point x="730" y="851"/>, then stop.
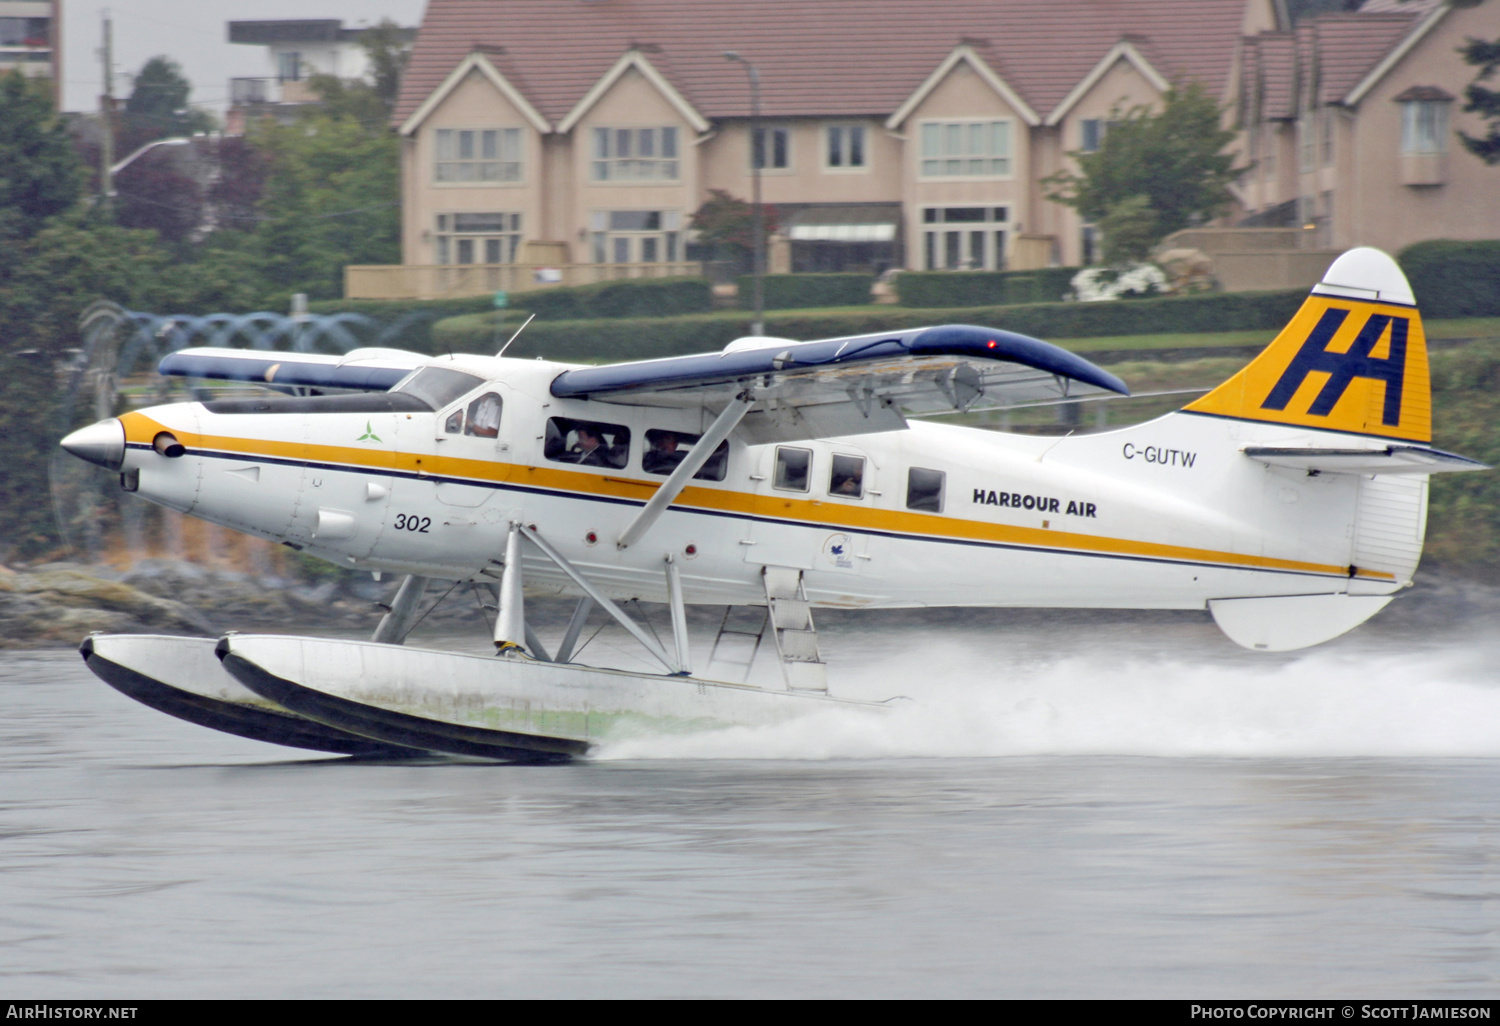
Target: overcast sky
<point x="195" y="34"/>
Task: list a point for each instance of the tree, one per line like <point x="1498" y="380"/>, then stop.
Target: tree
<point x="155" y="194"/>
<point x="728" y="224"/>
<point x="158" y="107"/>
<point x="386" y="47"/>
<point x="1153" y="174"/>
<point x="1481" y="100"/>
<point x="332" y="197"/>
<point x="39" y="171"/>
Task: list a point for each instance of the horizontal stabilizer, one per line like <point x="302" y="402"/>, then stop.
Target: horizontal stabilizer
<point x="854" y="385"/>
<point x="368" y="370"/>
<point x="1392" y="459"/>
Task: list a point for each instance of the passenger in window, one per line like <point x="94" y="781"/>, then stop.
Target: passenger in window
<point x="847" y="477"/>
<point x="484" y="416"/>
<point x="664" y="455"/>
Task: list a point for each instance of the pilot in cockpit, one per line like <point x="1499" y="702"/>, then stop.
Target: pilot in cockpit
<point x="590" y="450"/>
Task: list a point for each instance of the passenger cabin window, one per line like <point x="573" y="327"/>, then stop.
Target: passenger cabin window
<point x="793" y="468"/>
<point x="438" y="386"/>
<point x="666" y="449"/>
<point x="847" y="478"/>
<point x="924" y="490"/>
<point x="484" y="417"/>
<point x="588" y="443"/>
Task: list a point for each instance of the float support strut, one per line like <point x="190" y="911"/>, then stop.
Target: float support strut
<point x="598" y="596"/>
<point x="510" y="621"/>
<point x="679" y="614"/>
<point x="575" y="628"/>
<point x="397" y="623"/>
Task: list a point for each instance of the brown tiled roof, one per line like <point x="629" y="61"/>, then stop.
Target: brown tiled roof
<point x="1278" y="63"/>
<point x="1330" y="52"/>
<point x="1429" y="93"/>
<point x="816" y="57"/>
<point x="1349" y="45"/>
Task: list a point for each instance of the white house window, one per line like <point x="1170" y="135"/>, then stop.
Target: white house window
<point x="1090" y="134"/>
<point x="636" y="236"/>
<point x="492" y="238"/>
<point x="478" y="155"/>
<point x="288" y="67"/>
<point x="635" y="154"/>
<point x="964" y="238"/>
<point x="1424" y="126"/>
<point x="771" y="149"/>
<point x="969" y="149"/>
<point x="846" y="147"/>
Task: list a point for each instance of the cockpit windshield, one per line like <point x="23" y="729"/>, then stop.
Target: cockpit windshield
<point x="439" y="386"/>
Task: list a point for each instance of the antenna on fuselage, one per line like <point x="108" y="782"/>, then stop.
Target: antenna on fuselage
<point x="513" y="337"/>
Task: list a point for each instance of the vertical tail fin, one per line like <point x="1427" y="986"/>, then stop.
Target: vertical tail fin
<point x="1353" y="359"/>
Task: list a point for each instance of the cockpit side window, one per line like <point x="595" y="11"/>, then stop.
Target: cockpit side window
<point x="924" y="490"/>
<point x="666" y="449"/>
<point x="455" y="422"/>
<point x="588" y="443"/>
<point x="793" y="468"/>
<point x="439" y="386"/>
<point x="484" y="416"/>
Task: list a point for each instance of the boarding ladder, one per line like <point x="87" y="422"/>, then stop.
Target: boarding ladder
<point x="802" y="667"/>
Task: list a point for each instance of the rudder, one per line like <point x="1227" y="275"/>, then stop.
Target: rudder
<point x="1352" y="360"/>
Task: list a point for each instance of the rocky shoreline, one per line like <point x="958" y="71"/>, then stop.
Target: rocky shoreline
<point x="54" y="605"/>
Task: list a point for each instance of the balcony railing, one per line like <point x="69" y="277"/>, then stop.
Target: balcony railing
<point x="244" y="92"/>
<point x="454" y="281"/>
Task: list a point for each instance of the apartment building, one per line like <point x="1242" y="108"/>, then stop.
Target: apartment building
<point x="30" y="39"/>
<point x="296" y="49"/>
<point x="891" y="134"/>
<point x="1352" y="121"/>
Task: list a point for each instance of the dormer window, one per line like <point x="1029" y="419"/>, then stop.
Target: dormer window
<point x="1424" y="119"/>
<point x="1424" y="135"/>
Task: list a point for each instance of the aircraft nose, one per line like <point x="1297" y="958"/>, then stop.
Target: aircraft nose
<point x="102" y="443"/>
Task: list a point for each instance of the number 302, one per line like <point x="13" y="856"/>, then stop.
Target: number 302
<point x="405" y="522"/>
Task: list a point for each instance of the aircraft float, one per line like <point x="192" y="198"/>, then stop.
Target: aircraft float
<point x="1290" y="502"/>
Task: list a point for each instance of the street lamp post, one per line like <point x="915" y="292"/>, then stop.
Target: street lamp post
<point x="758" y="326"/>
<point x="114" y="169"/>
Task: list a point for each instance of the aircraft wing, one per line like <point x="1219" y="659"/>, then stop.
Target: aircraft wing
<point x="847" y="386"/>
<point x="370" y="370"/>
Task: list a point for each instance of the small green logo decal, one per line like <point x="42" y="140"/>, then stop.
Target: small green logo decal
<point x="369" y="435"/>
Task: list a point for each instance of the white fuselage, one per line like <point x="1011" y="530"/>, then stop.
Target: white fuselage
<point x="1166" y="514"/>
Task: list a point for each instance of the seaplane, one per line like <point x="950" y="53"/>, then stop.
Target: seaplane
<point x="775" y="477"/>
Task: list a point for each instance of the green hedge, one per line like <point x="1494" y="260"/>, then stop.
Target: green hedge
<point x="1454" y="279"/>
<point x="629" y="297"/>
<point x="646" y="338"/>
<point x="799" y="291"/>
<point x="983" y="288"/>
<point x="409" y="321"/>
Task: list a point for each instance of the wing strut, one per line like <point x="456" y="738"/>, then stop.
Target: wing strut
<point x="673" y="486"/>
